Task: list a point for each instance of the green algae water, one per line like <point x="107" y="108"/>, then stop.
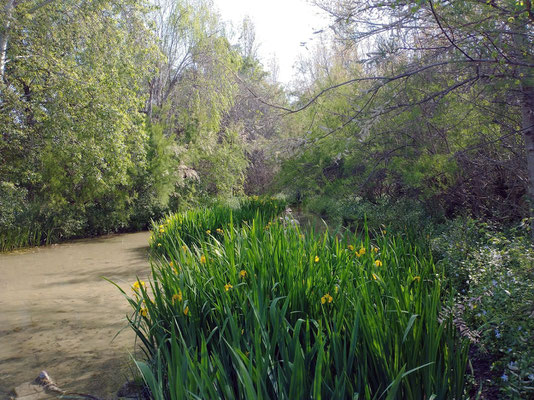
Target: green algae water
<point x="58" y="314"/>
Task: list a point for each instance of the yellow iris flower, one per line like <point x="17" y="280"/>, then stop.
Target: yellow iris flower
<point x="326" y="298"/>
<point x="137" y="285"/>
<point x="177" y="296"/>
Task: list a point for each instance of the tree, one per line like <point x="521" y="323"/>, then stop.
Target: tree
<point x="4" y="35"/>
<point x="72" y="133"/>
<point x="191" y="95"/>
<point x="422" y="52"/>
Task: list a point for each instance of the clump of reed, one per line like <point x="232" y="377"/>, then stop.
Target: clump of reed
<point x="261" y="310"/>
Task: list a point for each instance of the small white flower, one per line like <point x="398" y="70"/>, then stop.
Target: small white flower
<point x="504" y="377"/>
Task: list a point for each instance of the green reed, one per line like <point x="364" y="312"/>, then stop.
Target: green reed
<point x="263" y="311"/>
<point x="19" y="237"/>
<point x="196" y="225"/>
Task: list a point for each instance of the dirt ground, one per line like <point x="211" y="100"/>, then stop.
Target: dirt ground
<point x="58" y="314"/>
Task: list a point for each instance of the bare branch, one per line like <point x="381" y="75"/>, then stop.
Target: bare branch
<point x="445" y="32"/>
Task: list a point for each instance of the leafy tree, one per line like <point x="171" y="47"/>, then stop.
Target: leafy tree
<point x="438" y="106"/>
<point x="193" y="91"/>
<point x="72" y="133"/>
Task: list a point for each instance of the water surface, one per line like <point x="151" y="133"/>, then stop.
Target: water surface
<point x="58" y="314"/>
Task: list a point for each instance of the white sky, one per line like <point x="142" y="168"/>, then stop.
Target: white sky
<point x="281" y="26"/>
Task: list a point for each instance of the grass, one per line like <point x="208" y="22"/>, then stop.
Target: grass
<point x="261" y="310"/>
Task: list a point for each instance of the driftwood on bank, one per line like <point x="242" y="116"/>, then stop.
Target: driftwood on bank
<point x="44" y="388"/>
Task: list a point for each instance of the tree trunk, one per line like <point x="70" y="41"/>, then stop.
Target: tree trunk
<point x="4" y="36"/>
<point x="527" y="111"/>
<point x="522" y="44"/>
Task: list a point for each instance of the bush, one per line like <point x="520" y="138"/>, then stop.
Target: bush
<point x="409" y="218"/>
<point x="400" y="217"/>
<point x="492" y="274"/>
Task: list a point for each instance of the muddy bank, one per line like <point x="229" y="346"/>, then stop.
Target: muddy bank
<point x="58" y="314"/>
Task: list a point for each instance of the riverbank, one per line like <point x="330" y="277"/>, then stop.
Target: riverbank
<point x="59" y="314"/>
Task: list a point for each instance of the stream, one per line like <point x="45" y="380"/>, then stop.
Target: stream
<point x="58" y="314"/>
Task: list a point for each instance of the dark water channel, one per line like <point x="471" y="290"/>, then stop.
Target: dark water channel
<point x="58" y="314"/>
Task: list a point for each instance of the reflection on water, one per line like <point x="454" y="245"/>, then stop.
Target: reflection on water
<point x="58" y="314"/>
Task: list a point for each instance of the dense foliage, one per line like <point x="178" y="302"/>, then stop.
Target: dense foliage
<point x="113" y="112"/>
<point x="72" y="132"/>
<point x="420" y="99"/>
<point x="491" y="272"/>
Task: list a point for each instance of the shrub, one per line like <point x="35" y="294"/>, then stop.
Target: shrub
<point x="492" y="273"/>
